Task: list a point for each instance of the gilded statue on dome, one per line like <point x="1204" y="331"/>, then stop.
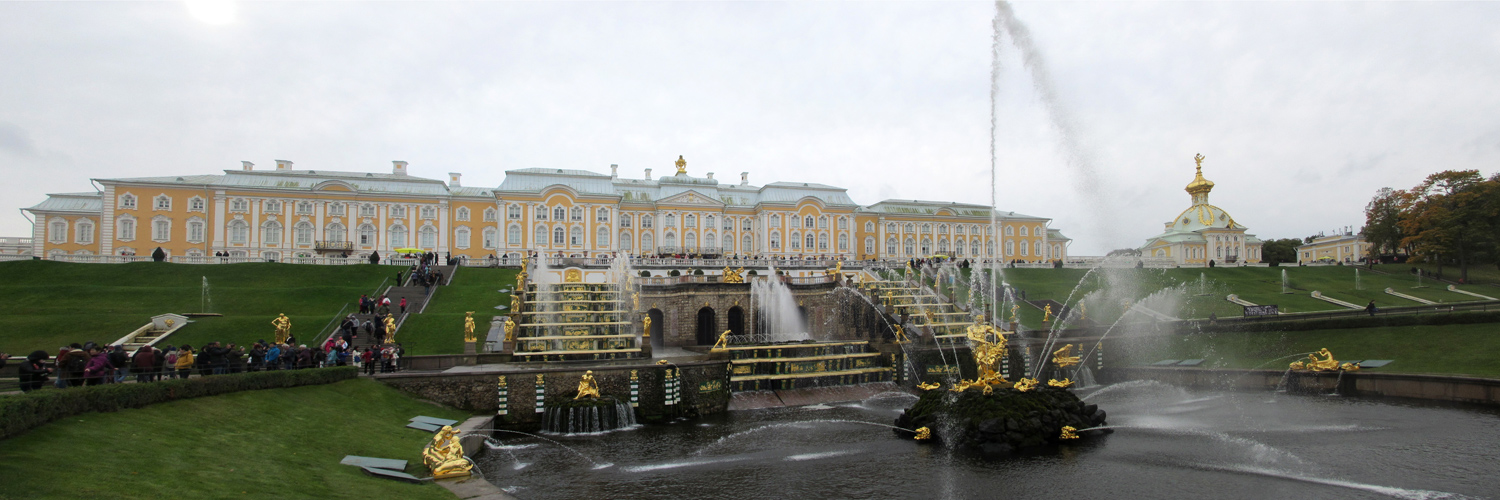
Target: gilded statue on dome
<point x="444" y="456"/>
<point x="587" y="387"/>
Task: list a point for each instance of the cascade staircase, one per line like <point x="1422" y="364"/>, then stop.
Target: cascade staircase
<point x="416" y="297"/>
<point x="574" y="321"/>
<point x="919" y="307"/>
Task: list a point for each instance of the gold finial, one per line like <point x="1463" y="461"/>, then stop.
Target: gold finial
<point x="1198" y="158"/>
<point x="1200" y="187"/>
<point x="681" y="165"/>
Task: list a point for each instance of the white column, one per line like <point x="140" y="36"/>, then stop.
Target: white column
<point x="218" y="221"/>
<point x="318" y="210"/>
<point x="382" y="243"/>
<point x="254" y="225"/>
<point x="443" y="228"/>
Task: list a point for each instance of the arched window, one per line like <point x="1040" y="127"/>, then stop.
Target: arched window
<point x="461" y="237"/>
<point x="869" y="244"/>
<point x="601" y="214"/>
<point x="823" y="222"/>
<point x="745" y="244"/>
<point x="671" y="240"/>
<point x="1037" y="248"/>
<point x="646" y="221"/>
<point x="823" y="241"/>
<point x="366" y="235"/>
<point x="943" y="245"/>
<point x="126" y="226"/>
<point x="559" y="213"/>
<point x="625" y="241"/>
<point x="559" y="236"/>
<point x="708" y="222"/>
<point x="625" y="220"/>
<point x="239" y="232"/>
<point x="1057" y="251"/>
<point x="270" y="232"/>
<point x="647" y="243"/>
<point x="303" y="233"/>
<point x="397" y="237"/>
<point x="775" y="220"/>
<point x="843" y="242"/>
<point x="710" y="241"/>
<point x="974" y="247"/>
<point x="807" y="222"/>
<point x="843" y="223"/>
<point x="427" y="237"/>
<point x="1037" y="231"/>
<point x="989" y="248"/>
<point x="513" y="212"/>
<point x="926" y="246"/>
<point x="869" y="227"/>
<point x="127" y="201"/>
<point x="958" y="248"/>
<point x="84" y="232"/>
<point x="161" y="228"/>
<point x="1010" y="231"/>
<point x="539" y="238"/>
<point x="796" y="241"/>
<point x="462" y="214"/>
<point x="745" y="224"/>
<point x="162" y="203"/>
<point x="334" y="233"/>
<point x="577" y="237"/>
<point x="890" y="246"/>
<point x="601" y="240"/>
<point x="671" y="221"/>
<point x="910" y="246"/>
<point x="1025" y="232"/>
<point x="513" y="235"/>
<point x="1010" y="248"/>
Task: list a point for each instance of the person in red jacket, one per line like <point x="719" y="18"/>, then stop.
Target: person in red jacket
<point x="144" y="362"/>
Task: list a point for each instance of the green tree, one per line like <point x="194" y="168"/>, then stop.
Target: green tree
<point x="1276" y="252"/>
<point x="1383" y="222"/>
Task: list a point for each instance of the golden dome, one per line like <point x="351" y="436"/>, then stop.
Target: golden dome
<point x="1199" y="184"/>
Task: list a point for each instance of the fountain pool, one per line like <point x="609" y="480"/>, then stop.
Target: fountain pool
<point x="1168" y="441"/>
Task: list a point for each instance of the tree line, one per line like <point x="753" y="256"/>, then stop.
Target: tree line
<point x="1451" y="218"/>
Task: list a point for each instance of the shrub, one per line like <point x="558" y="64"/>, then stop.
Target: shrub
<point x="753" y="273"/>
<point x="697" y="272"/>
<point x="645" y="273"/>
<point x="21" y="413"/>
<point x="674" y="272"/>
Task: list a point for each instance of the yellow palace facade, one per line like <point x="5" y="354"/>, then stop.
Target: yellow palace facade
<point x="285" y="213"/>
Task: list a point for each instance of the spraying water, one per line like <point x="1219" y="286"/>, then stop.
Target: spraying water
<point x="780" y="318"/>
<point x="206" y="301"/>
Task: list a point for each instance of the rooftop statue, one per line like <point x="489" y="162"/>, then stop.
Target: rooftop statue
<point x="681" y="165"/>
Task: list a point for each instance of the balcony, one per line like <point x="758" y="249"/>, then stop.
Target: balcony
<point x="334" y="246"/>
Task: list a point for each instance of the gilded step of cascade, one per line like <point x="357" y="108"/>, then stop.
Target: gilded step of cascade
<point x="573" y="320"/>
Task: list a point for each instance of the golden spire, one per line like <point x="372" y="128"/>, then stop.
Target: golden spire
<point x="681" y="165"/>
<point x="1200" y="186"/>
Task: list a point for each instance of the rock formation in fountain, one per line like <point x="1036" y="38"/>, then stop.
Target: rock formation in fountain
<point x="1003" y="422"/>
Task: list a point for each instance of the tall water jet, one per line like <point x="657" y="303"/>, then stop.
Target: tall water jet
<point x="1357" y="284"/>
<point x="205" y="301"/>
<point x="1286" y="286"/>
<point x="780" y="319"/>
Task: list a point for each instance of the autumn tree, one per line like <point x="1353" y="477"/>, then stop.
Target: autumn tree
<point x="1383" y="222"/>
<point x="1453" y="214"/>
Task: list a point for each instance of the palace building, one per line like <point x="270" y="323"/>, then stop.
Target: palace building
<point x="1203" y="234"/>
<point x="285" y="213"/>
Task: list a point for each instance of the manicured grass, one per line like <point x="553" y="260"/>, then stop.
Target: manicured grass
<point x="50" y="304"/>
<point x="1446" y="349"/>
<point x="439" y="329"/>
<point x="1478" y="274"/>
<point x="280" y="443"/>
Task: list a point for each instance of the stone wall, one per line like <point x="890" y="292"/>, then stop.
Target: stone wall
<point x="831" y="315"/>
<point x="704" y="389"/>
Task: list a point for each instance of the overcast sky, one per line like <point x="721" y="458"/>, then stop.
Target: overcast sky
<point x="1303" y="109"/>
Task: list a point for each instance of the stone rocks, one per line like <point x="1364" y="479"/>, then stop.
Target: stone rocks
<point x="1002" y="423"/>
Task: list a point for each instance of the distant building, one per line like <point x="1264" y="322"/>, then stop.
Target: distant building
<point x="283" y="213"/>
<point x="1203" y="233"/>
<point x="1346" y="247"/>
<point x="15" y="246"/>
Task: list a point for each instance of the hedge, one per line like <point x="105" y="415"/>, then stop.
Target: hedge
<point x="24" y="412"/>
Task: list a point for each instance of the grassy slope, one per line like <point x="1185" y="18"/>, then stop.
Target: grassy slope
<point x="282" y="443"/>
<point x="49" y="304"/>
<point x="1478" y="273"/>
<point x="1451" y="349"/>
<point x="439" y="330"/>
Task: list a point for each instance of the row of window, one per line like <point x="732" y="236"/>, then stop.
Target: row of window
<point x="334" y="209"/>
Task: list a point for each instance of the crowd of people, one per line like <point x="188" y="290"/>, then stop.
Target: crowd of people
<point x="91" y="364"/>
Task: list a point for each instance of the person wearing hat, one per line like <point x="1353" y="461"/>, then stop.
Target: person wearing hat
<point x="34" y="371"/>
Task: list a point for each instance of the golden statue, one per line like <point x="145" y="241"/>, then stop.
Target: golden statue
<point x="681" y="165"/>
<point x="1025" y="384"/>
<point x="587" y="386"/>
<point x="1327" y="364"/>
<point x="1013" y="308"/>
<point x="390" y="328"/>
<point x="521" y="280"/>
<point x="444" y="456"/>
<point x="515" y="303"/>
<point x="733" y="276"/>
<point x="988" y="346"/>
<point x="1067" y="433"/>
<point x="901" y="335"/>
<point x="1063" y="358"/>
<point x="469" y="326"/>
<point x="923" y="434"/>
<point x="636" y="296"/>
<point x="283" y="326"/>
<point x="510" y="330"/>
<point x="1198" y="158"/>
<point x="929" y="386"/>
<point x="1083" y="311"/>
<point x="1047" y="314"/>
<point x="1061" y="384"/>
<point x="838" y="269"/>
<point x="646" y="326"/>
<point x="723" y="342"/>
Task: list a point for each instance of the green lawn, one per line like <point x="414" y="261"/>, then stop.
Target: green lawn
<point x="1446" y="349"/>
<point x="280" y="443"/>
<point x="439" y="329"/>
<point x="50" y="304"/>
<point x="1479" y="273"/>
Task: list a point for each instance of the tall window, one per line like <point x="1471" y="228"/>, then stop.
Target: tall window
<point x="127" y="229"/>
<point x="270" y="232"/>
<point x="491" y="215"/>
<point x="625" y="220"/>
<point x="625" y="241"/>
<point x="428" y="236"/>
<point x="127" y="201"/>
<point x="746" y="244"/>
<point x="1010" y="247"/>
<point x="85" y="232"/>
<point x="869" y="244"/>
<point x="775" y="240"/>
<point x="540" y="211"/>
<point x="974" y="247"/>
<point x="577" y="213"/>
<point x="601" y="214"/>
<point x="559" y="237"/>
<point x="710" y="241"/>
<point x="910" y="246"/>
<point x="366" y="235"/>
<point x="671" y="220"/>
<point x="539" y="238"/>
<point x="943" y="245"/>
<point x="559" y="213"/>
<point x="1025" y="248"/>
<point x="335" y="232"/>
<point x="492" y="237"/>
<point x="671" y="240"/>
<point x="303" y="233"/>
<point x="646" y="221"/>
<point x="911" y="228"/>
<point x="890" y="227"/>
<point x="162" y="203"/>
<point x="161" y="229"/>
<point x="513" y="235"/>
<point x="462" y="213"/>
<point x="239" y="232"/>
<point x="513" y="212"/>
<point x="775" y="220"/>
<point x="797" y="241"/>
<point x="397" y="236"/>
<point x="823" y="241"/>
<point x="273" y="207"/>
<point x="890" y="246"/>
<point x="58" y="232"/>
<point x="577" y="237"/>
<point x="647" y="243"/>
<point x="807" y="222"/>
<point x="689" y="221"/>
<point x="843" y="223"/>
<point x="960" y="229"/>
<point x="843" y="242"/>
<point x="823" y="222"/>
<point x="602" y="239"/>
<point x="461" y="237"/>
<point x="745" y="224"/>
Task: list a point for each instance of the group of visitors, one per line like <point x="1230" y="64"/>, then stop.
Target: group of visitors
<point x="378" y="305"/>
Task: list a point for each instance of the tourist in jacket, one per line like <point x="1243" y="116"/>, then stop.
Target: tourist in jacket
<point x="71" y="365"/>
<point x="121" y="361"/>
<point x="184" y="361"/>
<point x="98" y="368"/>
<point x="273" y="357"/>
<point x="34" y="371"/>
<point x="145" y="364"/>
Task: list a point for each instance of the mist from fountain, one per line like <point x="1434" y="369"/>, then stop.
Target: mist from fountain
<point x="777" y="307"/>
